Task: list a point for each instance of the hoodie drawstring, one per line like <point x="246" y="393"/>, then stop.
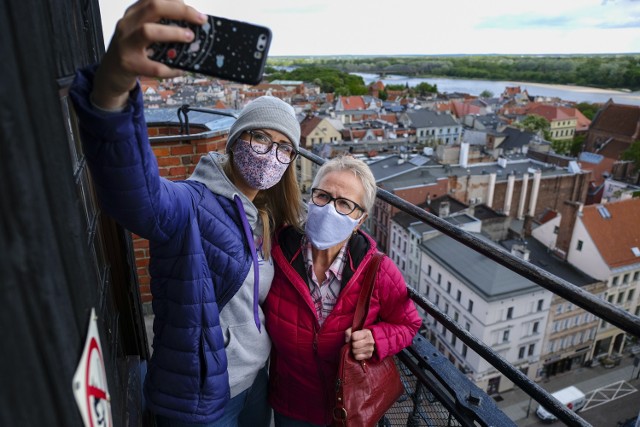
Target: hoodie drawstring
<point x="252" y="247"/>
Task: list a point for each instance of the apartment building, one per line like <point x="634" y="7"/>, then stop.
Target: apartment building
<point x="606" y="245"/>
<point x="495" y="304"/>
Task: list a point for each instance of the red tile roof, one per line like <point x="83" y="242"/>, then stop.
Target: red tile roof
<point x="391" y="118"/>
<point x="618" y="119"/>
<point x="220" y="105"/>
<point x="615" y="236"/>
<point x="353" y="103"/>
<point x="461" y="109"/>
<point x="308" y="125"/>
<point x="552" y="112"/>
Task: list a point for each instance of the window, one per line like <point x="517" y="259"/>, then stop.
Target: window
<point x="556" y="229"/>
<point x="610" y="298"/>
<point x="455" y="316"/>
<point x="540" y="304"/>
<point x="579" y="246"/>
<point x="505" y="336"/>
<point x="630" y="294"/>
<point x="446" y="308"/>
<point x="532" y="348"/>
<point x="467" y="326"/>
<point x="437" y="299"/>
<point x="620" y="298"/>
<point x="464" y="351"/>
<point x="521" y="352"/>
<point x="454" y="339"/>
<point x="458" y="296"/>
<point x="625" y="278"/>
<point x="439" y="278"/>
<point x="536" y="325"/>
<point x="429" y="270"/>
<point x="614" y="281"/>
<point x="427" y="292"/>
<point x="470" y="306"/>
<point x="509" y="313"/>
<point x="449" y="287"/>
<point x="635" y="276"/>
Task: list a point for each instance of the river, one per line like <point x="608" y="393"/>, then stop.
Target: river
<point x="475" y="87"/>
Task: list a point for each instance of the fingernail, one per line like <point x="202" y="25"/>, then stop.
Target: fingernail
<point x="188" y="34"/>
<point x="202" y="17"/>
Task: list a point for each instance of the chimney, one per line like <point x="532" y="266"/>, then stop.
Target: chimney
<point x="520" y="251"/>
<point x="443" y="209"/>
<point x="464" y="154"/>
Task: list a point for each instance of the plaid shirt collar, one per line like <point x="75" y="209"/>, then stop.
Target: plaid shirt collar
<point x="325" y="294"/>
<point x="337" y="266"/>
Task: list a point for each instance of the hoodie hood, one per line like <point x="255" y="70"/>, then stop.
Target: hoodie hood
<point x="209" y="172"/>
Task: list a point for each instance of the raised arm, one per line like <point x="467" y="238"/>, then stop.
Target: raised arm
<point x="113" y="129"/>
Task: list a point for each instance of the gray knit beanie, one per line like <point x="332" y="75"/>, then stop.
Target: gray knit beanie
<point x="266" y="112"/>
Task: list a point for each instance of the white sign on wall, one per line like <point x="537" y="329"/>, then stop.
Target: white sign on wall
<point x="90" y="381"/>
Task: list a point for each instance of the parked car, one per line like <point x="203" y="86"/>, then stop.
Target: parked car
<point x="572" y="397"/>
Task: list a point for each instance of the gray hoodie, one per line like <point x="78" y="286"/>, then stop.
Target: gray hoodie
<point x="247" y="348"/>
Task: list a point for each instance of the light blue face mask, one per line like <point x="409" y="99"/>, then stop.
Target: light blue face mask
<point x="325" y="227"/>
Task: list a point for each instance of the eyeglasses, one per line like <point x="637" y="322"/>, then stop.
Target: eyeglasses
<point x="343" y="206"/>
<point x="262" y="143"/>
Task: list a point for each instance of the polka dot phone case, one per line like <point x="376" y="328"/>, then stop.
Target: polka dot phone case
<point x="223" y="48"/>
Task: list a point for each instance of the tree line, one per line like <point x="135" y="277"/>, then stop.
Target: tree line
<point x="601" y="71"/>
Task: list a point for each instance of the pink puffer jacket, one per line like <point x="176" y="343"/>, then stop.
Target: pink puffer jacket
<point x="304" y="357"/>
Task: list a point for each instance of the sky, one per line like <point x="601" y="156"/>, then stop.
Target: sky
<point x="428" y="27"/>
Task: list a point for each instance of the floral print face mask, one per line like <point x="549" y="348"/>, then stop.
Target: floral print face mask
<point x="260" y="171"/>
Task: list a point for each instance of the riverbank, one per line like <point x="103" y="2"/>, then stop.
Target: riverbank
<point x="475" y="87"/>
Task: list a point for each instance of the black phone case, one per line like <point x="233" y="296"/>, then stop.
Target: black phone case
<point x="223" y="48"/>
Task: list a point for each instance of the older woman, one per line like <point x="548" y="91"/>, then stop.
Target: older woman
<point x="311" y="304"/>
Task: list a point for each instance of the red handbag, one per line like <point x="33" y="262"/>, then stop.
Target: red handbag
<point x="365" y="389"/>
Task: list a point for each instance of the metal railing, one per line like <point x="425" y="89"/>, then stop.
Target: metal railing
<point x="439" y="394"/>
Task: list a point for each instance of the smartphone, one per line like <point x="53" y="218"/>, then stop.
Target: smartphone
<point x="223" y="48"/>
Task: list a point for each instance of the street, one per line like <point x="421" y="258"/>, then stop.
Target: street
<point x="612" y="396"/>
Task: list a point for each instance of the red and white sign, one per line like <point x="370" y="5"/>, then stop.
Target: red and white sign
<point x="90" y="381"/>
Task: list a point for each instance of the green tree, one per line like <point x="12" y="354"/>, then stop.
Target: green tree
<point x="576" y="145"/>
<point x="561" y="146"/>
<point x="537" y="124"/>
<point x="425" y="88"/>
<point x="633" y="155"/>
<point x="589" y="110"/>
<point x="486" y="94"/>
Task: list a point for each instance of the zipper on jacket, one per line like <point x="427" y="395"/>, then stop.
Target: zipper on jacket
<point x="315" y="340"/>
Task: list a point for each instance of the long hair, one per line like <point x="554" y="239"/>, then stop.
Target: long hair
<point x="277" y="206"/>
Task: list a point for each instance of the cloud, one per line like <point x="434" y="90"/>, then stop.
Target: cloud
<point x="526" y="21"/>
<point x="607" y="14"/>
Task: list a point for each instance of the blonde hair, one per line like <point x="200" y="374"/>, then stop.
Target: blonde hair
<point x="277" y="206"/>
<point x="359" y="169"/>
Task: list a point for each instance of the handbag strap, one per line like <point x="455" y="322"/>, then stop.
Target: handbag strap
<point x="364" y="299"/>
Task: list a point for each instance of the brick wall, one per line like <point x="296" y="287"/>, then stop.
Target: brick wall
<point x="176" y="161"/>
